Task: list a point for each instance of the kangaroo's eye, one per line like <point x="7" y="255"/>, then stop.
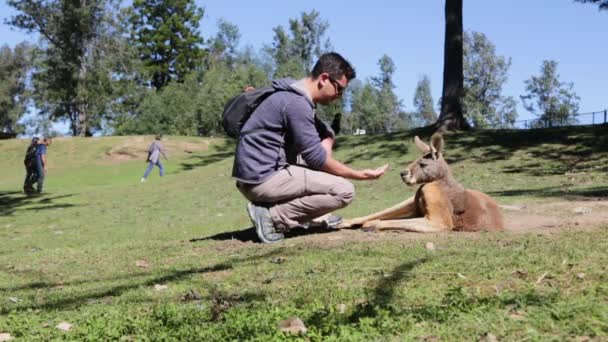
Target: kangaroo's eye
<point x="422" y="163"/>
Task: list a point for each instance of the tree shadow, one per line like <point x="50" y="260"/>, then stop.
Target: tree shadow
<point x="456" y="301"/>
<point x="536" y="152"/>
<point x="219" y="153"/>
<point x="392" y="145"/>
<point x="548" y="151"/>
<point x="555" y="191"/>
<point x="384" y="291"/>
<point x="249" y="234"/>
<point x="74" y="301"/>
<point x="11" y="201"/>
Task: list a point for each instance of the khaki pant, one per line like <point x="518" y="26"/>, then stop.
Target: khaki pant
<point x="297" y="195"/>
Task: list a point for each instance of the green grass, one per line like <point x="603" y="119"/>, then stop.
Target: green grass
<point x="71" y="254"/>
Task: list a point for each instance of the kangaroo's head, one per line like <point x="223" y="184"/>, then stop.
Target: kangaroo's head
<point x="430" y="166"/>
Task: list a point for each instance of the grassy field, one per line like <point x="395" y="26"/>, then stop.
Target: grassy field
<point x="175" y="258"/>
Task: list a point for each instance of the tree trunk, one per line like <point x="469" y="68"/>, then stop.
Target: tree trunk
<point x="81" y="103"/>
<point x="451" y="117"/>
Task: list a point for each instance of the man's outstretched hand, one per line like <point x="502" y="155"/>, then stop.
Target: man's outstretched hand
<point x="374" y="173"/>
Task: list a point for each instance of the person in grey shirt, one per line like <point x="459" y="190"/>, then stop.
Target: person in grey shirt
<point x="284" y="195"/>
<point x="154" y="152"/>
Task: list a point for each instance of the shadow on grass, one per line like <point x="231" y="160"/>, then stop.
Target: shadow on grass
<point x="454" y="302"/>
<point x="384" y="291"/>
<point x="536" y="152"/>
<point x="220" y="153"/>
<point x="555" y="191"/>
<point x="249" y="235"/>
<point x="11" y="201"/>
<point x="550" y="151"/>
<point x="72" y="300"/>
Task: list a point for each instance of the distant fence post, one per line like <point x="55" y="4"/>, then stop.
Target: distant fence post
<point x="605" y="111"/>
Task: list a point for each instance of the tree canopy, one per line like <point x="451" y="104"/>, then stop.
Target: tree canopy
<point x="167" y="38"/>
<point x="14" y="66"/>
<point x="485" y="73"/>
<point x="423" y="102"/>
<point x="554" y="102"/>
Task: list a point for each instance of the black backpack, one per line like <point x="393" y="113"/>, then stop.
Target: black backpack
<point x="239" y="108"/>
<point x="30" y="154"/>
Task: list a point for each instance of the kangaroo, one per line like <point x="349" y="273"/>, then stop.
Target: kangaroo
<point x="440" y="203"/>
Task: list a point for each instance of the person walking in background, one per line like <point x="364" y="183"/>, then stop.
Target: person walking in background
<point x="41" y="162"/>
<point x="154" y="152"/>
<point x="31" y="172"/>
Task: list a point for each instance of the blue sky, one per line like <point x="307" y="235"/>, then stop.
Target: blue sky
<point x="411" y="33"/>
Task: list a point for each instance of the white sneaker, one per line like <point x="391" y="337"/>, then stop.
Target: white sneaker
<point x="142" y="180"/>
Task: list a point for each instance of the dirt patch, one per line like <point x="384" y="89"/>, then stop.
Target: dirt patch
<point x="584" y="213"/>
<point x="542" y="217"/>
<point x="136" y="148"/>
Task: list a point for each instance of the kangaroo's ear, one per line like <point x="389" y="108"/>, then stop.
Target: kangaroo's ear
<point x="437" y="143"/>
<point x="424" y="148"/>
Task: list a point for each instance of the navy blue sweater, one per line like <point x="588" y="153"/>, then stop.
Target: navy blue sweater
<point x="287" y="114"/>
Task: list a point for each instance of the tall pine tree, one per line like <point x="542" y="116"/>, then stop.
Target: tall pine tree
<point x="167" y="39"/>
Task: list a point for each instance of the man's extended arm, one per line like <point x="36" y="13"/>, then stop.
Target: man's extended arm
<point x="337" y="168"/>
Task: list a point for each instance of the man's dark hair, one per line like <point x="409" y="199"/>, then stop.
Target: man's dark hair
<point x="335" y="65"/>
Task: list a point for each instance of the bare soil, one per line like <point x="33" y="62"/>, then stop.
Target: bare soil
<point x="136" y="148"/>
<point x="541" y="217"/>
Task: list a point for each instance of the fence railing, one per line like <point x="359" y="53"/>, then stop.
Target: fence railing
<point x="578" y="119"/>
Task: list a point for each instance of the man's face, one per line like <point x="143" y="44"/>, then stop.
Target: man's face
<point x="331" y="88"/>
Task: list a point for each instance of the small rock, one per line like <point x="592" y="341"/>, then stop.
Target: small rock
<point x="582" y="210"/>
<point x="192" y="294"/>
<point x="293" y="325"/>
<point x="580" y="276"/>
<point x="488" y="337"/>
<point x="519" y="274"/>
<point x="430" y="246"/>
<point x="65" y="326"/>
<point x="5" y="337"/>
<point x="512" y="207"/>
<point x="278" y="260"/>
<point x="517" y="316"/>
<point x="141" y="263"/>
<point x="159" y="287"/>
<point x="341" y="308"/>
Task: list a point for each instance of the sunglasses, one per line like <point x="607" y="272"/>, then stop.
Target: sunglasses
<point x="339" y="87"/>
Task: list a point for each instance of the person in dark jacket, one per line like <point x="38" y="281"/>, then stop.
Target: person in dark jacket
<point x="282" y="194"/>
<point x="31" y="171"/>
<point x="41" y="162"/>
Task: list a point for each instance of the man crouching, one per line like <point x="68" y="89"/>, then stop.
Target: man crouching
<point x="285" y="194"/>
